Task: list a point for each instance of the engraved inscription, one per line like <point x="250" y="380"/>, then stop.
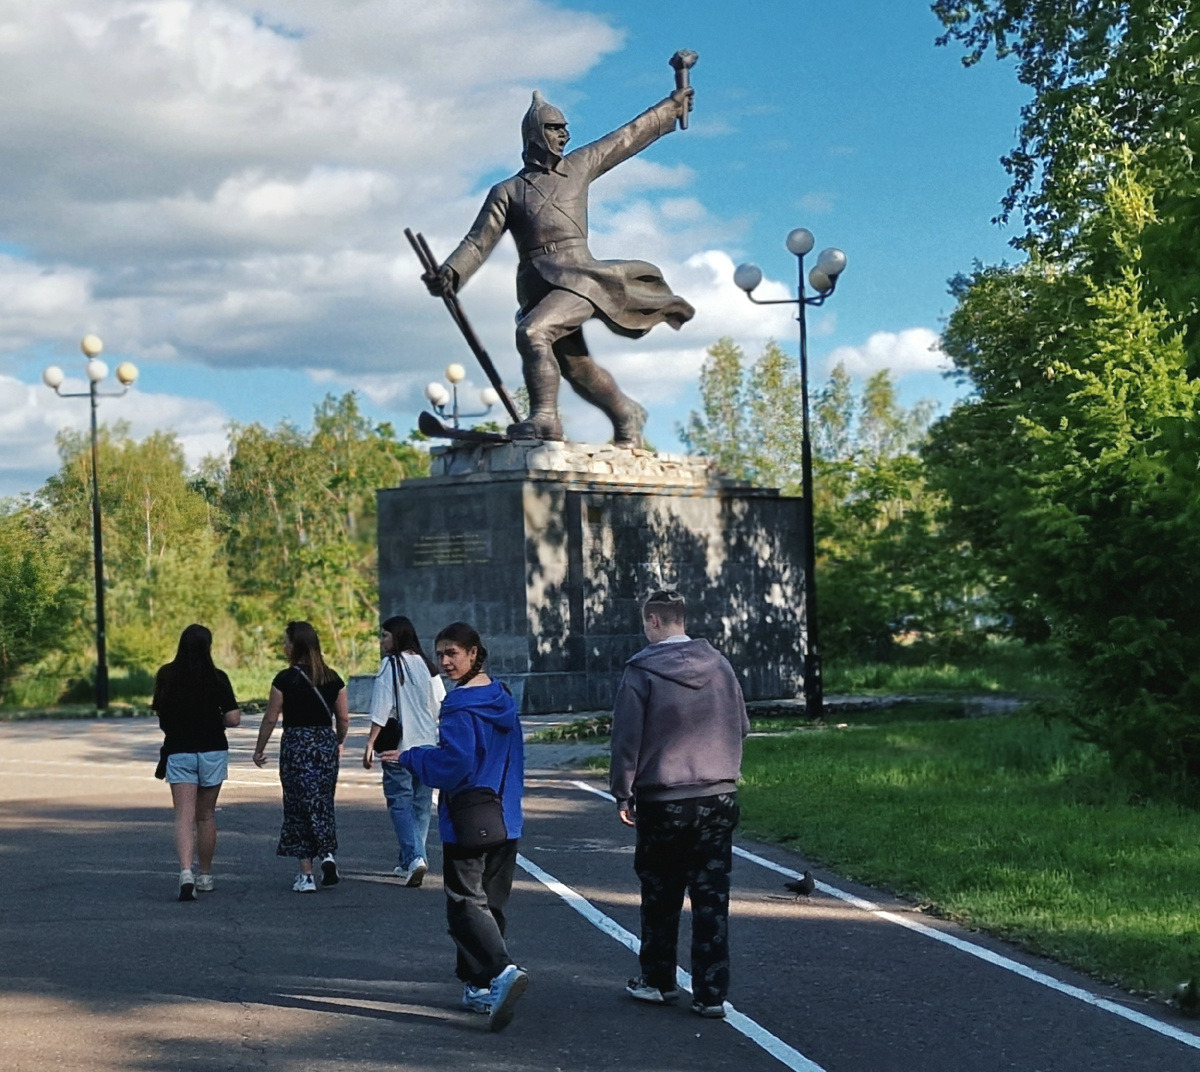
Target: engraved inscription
<point x="452" y="549"/>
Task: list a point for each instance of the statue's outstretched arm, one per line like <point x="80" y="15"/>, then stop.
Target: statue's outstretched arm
<point x="606" y="153"/>
<point x="481" y="239"/>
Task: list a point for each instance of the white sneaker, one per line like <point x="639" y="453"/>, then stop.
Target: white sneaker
<point x="412" y="876"/>
<point x="329" y="871"/>
<point x="305" y="884"/>
<point x="640" y="990"/>
<point x="477" y="998"/>
<point x="187" y="886"/>
<point x="506" y="991"/>
<point x="204" y="883"/>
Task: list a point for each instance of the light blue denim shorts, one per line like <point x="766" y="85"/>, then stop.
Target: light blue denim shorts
<point x="198" y="768"/>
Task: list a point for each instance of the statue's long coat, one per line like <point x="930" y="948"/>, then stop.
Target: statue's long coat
<point x="546" y="211"/>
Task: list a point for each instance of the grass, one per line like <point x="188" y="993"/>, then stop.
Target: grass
<point x="582" y="729"/>
<point x="68" y="711"/>
<point x="129" y="693"/>
<point x="1008" y="824"/>
<point x="999" y="667"/>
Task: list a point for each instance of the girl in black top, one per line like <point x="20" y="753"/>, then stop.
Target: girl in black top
<point x="312" y="699"/>
<point x="195" y="704"/>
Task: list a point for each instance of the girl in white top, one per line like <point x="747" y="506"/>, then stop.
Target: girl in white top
<point x="406" y="699"/>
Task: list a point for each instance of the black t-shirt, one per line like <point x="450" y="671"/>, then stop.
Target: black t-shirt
<point x="193" y="716"/>
<point x="300" y="704"/>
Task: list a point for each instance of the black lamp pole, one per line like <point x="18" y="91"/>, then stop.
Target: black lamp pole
<point x="96" y="371"/>
<point x="98" y="562"/>
<point x="824" y="277"/>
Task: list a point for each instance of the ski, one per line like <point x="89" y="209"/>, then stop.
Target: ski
<point x="436" y="429"/>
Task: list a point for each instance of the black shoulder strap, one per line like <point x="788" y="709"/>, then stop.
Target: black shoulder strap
<point x="395" y="684"/>
<point x="324" y="704"/>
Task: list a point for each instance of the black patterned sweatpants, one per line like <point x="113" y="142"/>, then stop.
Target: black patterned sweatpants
<point x="686" y="845"/>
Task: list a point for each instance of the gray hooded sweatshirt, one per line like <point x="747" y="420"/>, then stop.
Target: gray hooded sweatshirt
<point x="678" y="723"/>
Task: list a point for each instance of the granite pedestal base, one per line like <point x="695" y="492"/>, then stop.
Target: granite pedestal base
<point x="549" y="549"/>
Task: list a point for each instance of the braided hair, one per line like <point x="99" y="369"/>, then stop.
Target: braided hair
<point x="465" y="637"/>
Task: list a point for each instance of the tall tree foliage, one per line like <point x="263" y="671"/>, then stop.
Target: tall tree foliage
<point x="37" y="605"/>
<point x="163" y="562"/>
<point x="874" y="517"/>
<point x="1072" y="471"/>
<point x="284" y="527"/>
<point x="297" y="511"/>
<point x="1116" y="87"/>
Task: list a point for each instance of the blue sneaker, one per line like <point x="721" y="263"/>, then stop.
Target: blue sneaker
<point x="506" y="991"/>
<point x="476" y="998"/>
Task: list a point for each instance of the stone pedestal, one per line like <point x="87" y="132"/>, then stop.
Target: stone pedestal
<point x="549" y="549"/>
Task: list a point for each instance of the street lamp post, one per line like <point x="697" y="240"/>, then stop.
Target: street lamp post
<point x="96" y="370"/>
<point x="823" y="280"/>
<point x="440" y="398"/>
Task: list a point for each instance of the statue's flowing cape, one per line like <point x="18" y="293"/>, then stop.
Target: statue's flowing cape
<point x="546" y="211"/>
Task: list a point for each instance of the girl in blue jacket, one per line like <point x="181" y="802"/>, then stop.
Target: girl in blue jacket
<point x="479" y="744"/>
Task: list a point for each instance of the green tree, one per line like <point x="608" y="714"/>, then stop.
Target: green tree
<point x="36" y="604"/>
<point x="297" y="513"/>
<point x="882" y="567"/>
<point x="164" y="566"/>
<point x="1116" y="87"/>
<point x="1071" y="471"/>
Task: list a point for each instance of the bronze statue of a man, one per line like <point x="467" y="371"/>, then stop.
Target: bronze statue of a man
<point x="560" y="285"/>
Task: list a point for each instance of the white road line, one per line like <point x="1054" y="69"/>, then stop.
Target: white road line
<point x="755" y="1032"/>
<point x="997" y="959"/>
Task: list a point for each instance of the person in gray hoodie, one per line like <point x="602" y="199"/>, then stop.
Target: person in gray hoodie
<point x="678" y="723"/>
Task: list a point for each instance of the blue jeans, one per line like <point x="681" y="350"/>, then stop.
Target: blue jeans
<point x="409" y="804"/>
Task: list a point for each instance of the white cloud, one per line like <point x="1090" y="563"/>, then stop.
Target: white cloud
<point x="911" y="350"/>
<point x="32" y="416"/>
<point x="226" y="182"/>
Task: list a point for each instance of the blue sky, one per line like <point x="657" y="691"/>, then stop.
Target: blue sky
<point x="223" y="202"/>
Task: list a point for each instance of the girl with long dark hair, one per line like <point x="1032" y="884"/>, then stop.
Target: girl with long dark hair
<point x="405" y="700"/>
<point x="312" y="698"/>
<point x="480" y="750"/>
<point x="195" y="704"/>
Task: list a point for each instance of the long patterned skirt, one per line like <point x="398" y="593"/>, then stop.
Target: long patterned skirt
<point x="308" y="769"/>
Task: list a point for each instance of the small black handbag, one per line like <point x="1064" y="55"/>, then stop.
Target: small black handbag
<point x="477" y="815"/>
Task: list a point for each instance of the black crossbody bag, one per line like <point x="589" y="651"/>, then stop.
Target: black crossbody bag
<point x="388" y="737"/>
<point x="477" y="815"/>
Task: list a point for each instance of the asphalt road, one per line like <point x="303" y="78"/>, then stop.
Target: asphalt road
<point x="102" y="969"/>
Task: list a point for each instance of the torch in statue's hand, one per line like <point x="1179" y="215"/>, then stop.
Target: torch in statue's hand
<point x="683" y="61"/>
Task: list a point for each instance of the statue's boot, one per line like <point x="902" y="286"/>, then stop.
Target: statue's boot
<point x="537" y="426"/>
<point x="628" y="425"/>
<point x="595" y="385"/>
<point x="541" y="381"/>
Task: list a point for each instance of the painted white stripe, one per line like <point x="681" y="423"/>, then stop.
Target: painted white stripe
<point x="755" y="1032"/>
<point x="970" y="948"/>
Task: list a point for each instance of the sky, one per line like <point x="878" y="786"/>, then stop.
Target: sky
<point x="219" y="189"/>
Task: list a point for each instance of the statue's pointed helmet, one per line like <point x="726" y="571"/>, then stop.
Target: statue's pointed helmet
<point x="533" y="132"/>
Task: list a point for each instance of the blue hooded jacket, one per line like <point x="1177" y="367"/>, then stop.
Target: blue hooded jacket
<point x="478" y="734"/>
